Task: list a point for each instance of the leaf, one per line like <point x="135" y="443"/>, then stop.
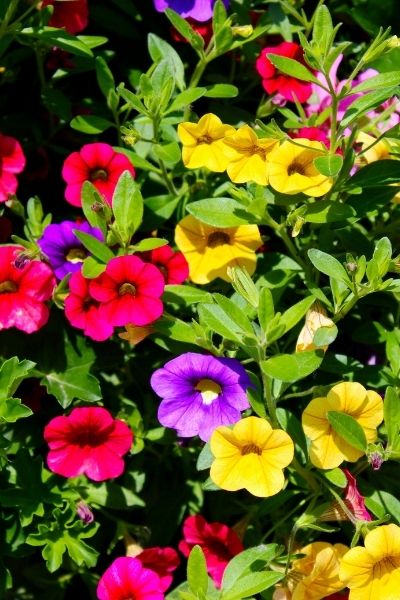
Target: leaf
<point x="91" y="197"/>
<point x="335" y="476"/>
<point x="365" y="103"/>
<point x="197" y="571"/>
<point x="95" y="247"/>
<point x="11" y="409"/>
<point x="391" y="415"/>
<point x="322" y="29"/>
<point x="12" y="372"/>
<point x="253" y="584"/>
<point x="221" y="90"/>
<point x="348" y="428"/>
<point x="184" y="28"/>
<point x="292" y="67"/>
<point x="379" y="173"/>
<point x="326" y="211"/>
<point x="380" y="80"/>
<point x="160" y="50"/>
<point x="104" y="76"/>
<point x="127" y="207"/>
<point x="328" y="265"/>
<point x="90" y="124"/>
<point x="91" y="268"/>
<point x="325" y="336"/>
<point x="54" y="36"/>
<point x="186" y="98"/>
<point x="132" y="99"/>
<point x="223" y="321"/>
<point x="170" y="153"/>
<point x="292" y="367"/>
<point x="329" y="165"/>
<point x="149" y="244"/>
<point x="266" y="308"/>
<point x="205" y="458"/>
<point x="382" y="255"/>
<point x="185" y="294"/>
<point x="292" y="315"/>
<point x="220" y="212"/>
<point x="246" y="562"/>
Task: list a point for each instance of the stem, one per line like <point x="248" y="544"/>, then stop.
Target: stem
<point x="168" y="182"/>
<point x="269" y="399"/>
<point x="12" y="7"/>
<point x="306" y="475"/>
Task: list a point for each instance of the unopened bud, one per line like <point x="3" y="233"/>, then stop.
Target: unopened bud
<point x="393" y="42"/>
<point x="243" y="31"/>
<point x="351" y="267"/>
<point x="84" y="512"/>
<point x="130" y="135"/>
<point x="376" y="460"/>
<point x="21" y="261"/>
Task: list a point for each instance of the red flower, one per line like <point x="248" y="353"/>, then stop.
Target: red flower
<point x="162" y="561"/>
<point x="88" y="441"/>
<point x="126" y="579"/>
<point x="72" y="15"/>
<point x="273" y="81"/>
<point x="173" y="265"/>
<point x="218" y="542"/>
<point x="354" y="500"/>
<point x="12" y="160"/>
<point x="312" y="133"/>
<point x="204" y="29"/>
<point x="98" y="163"/>
<point x="129" y="291"/>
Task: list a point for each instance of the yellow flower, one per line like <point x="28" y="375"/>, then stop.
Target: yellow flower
<point x="209" y="250"/>
<point x="135" y="334"/>
<point x="379" y="151"/>
<point x="373" y="572"/>
<point x="328" y="450"/>
<point x="203" y="143"/>
<point x="250" y="456"/>
<point x="247" y="156"/>
<point x="315" y="318"/>
<point x="292" y="170"/>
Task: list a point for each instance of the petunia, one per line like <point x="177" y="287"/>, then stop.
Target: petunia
<point x="200" y="392"/>
<point x="250" y="456"/>
<point x="163" y="561"/>
<point x="97" y="163"/>
<point x="71" y="15"/>
<point x="328" y="449"/>
<point x="379" y="150"/>
<point x="63" y="249"/>
<point x="203" y="143"/>
<point x="373" y="572"/>
<point x="219" y="543"/>
<point x="88" y="441"/>
<point x="173" y="265"/>
<point x="292" y="169"/>
<point x="200" y="10"/>
<point x="127" y="579"/>
<point x="23" y="291"/>
<point x="315" y="319"/>
<point x="209" y="250"/>
<point x="12" y="162"/>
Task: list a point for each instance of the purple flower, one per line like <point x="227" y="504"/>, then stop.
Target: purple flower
<point x="200" y="10"/>
<point x="64" y="251"/>
<point x="200" y="392"/>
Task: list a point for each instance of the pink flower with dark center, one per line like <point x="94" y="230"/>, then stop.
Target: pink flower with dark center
<point x="354" y="500"/>
<point x="127" y="579"/>
<point x="173" y="265"/>
<point x="97" y="163"/>
<point x="129" y="292"/>
<point x="162" y="561"/>
<point x="12" y="161"/>
<point x="87" y="441"/>
<point x="312" y="133"/>
<point x="72" y="15"/>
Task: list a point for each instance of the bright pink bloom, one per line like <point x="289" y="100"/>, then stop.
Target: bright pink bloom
<point x="82" y="311"/>
<point x="354" y="500"/>
<point x="97" y="163"/>
<point x="162" y="561"/>
<point x="173" y="265"/>
<point x="12" y="160"/>
<point x="312" y="133"/>
<point x="87" y="441"/>
<point x="23" y="291"/>
<point x="218" y="542"/>
<point x="274" y="81"/>
<point x="129" y="291"/>
<point x="127" y="579"/>
<point x="72" y="15"/>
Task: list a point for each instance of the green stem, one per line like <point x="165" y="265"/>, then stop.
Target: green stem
<point x="306" y="475"/>
<point x="12" y="7"/>
<point x="269" y="399"/>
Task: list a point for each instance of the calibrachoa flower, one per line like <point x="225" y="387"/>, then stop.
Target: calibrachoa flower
<point x="23" y="291"/>
<point x="97" y="163"/>
<point x="163" y="561"/>
<point x="64" y="251"/>
<point x="129" y="291"/>
<point x="134" y="335"/>
<point x="88" y="441"/>
<point x="373" y="571"/>
<point x="211" y="250"/>
<point x="218" y="542"/>
<point x="200" y="392"/>
<point x="203" y="143"/>
<point x="315" y="318"/>
<point x="200" y="10"/>
<point x="72" y="15"/>
<point x="173" y="265"/>
<point x="12" y="161"/>
<point x="328" y="450"/>
<point x="250" y="456"/>
<point x="127" y="579"/>
<point x="379" y="150"/>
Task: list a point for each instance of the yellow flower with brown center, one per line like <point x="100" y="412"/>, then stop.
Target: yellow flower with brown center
<point x="209" y="250"/>
<point x="250" y="456"/>
<point x="203" y="143"/>
<point x="315" y="319"/>
<point x="328" y="449"/>
<point x="292" y="170"/>
<point x="379" y="151"/>
<point x="248" y="156"/>
<point x="373" y="572"/>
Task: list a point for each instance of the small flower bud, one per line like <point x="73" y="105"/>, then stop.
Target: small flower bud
<point x="351" y="267"/>
<point x="376" y="460"/>
<point x="21" y="261"/>
<point x="84" y="512"/>
<point x="130" y="135"/>
<point x="243" y="31"/>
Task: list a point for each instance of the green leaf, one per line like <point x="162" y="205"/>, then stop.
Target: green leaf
<point x="160" y="50"/>
<point x="335" y="476"/>
<point x="197" y="571"/>
<point x="185" y="294"/>
<point x="252" y="584"/>
<point x="205" y="458"/>
<point x="95" y="247"/>
<point x="104" y="76"/>
<point x="54" y="36"/>
<point x="329" y="165"/>
<point x="11" y="409"/>
<point x="382" y="255"/>
<point x="186" y="31"/>
<point x="326" y="211"/>
<point x="325" y="336"/>
<point x="175" y="329"/>
<point x="266" y="309"/>
<point x="12" y="372"/>
<point x="329" y="265"/>
<point x="91" y="268"/>
<point x="226" y="319"/>
<point x="127" y="207"/>
<point x="91" y="198"/>
<point x="90" y="124"/>
<point x="246" y="562"/>
<point x="348" y="429"/>
<point x="186" y="98"/>
<point x="170" y="153"/>
<point x="292" y="67"/>
<point x="292" y="315"/>
<point x="111" y="495"/>
<point x="132" y="99"/>
<point x="292" y="367"/>
<point x="235" y="313"/>
<point x="220" y="212"/>
<point x="221" y="90"/>
<point x="149" y="244"/>
<point x="380" y="80"/>
<point x="382" y="503"/>
<point x="136" y="160"/>
<point x="364" y="104"/>
<point x="322" y="30"/>
<point x="391" y="415"/>
<point x="379" y="173"/>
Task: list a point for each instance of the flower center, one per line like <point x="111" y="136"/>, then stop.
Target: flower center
<point x="258" y="150"/>
<point x="218" y="238"/>
<point x="76" y="255"/>
<point x="89" y="436"/>
<point x="296" y="167"/>
<point x="209" y="390"/>
<point x="251" y="449"/>
<point x="8" y="287"/>
<point x="127" y="288"/>
<point x="98" y="174"/>
<point x="205" y="139"/>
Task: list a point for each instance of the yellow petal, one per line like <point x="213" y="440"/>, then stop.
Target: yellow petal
<point x="223" y="443"/>
<point x="324" y="453"/>
<point x="227" y="473"/>
<point x="252" y="430"/>
<point x="248" y="168"/>
<point x="384" y="541"/>
<point x="278" y="450"/>
<point x="314" y="419"/>
<point x="356" y="568"/>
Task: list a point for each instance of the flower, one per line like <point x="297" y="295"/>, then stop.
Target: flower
<point x="173" y="265"/>
<point x="64" y="251"/>
<point x="219" y="543"/>
<point x="274" y="81"/>
<point x="98" y="163"/>
<point x="354" y="500"/>
<point x="315" y="318"/>
<point x="211" y="250"/>
<point x="134" y="335"/>
<point x="129" y="291"/>
<point x="23" y="291"/>
<point x="12" y="161"/>
<point x="84" y="513"/>
<point x="312" y="133"/>
<point x="72" y="15"/>
<point x="328" y="450"/>
<point x="248" y="156"/>
<point x="200" y="392"/>
<point x="162" y="561"/>
<point x="200" y="10"/>
<point x="373" y="571"/>
<point x="379" y="151"/>
<point x="82" y="310"/>
<point x="126" y="578"/>
<point x="87" y="441"/>
<point x="202" y="28"/>
<point x="292" y="170"/>
<point x="203" y="143"/>
<point x="252" y="456"/>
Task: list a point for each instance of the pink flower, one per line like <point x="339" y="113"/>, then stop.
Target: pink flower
<point x="97" y="163"/>
<point x="129" y="291"/>
<point x="162" y="561"/>
<point x="87" y="441"/>
<point x="173" y="265"/>
<point x="12" y="160"/>
<point x="354" y="500"/>
<point x="72" y="15"/>
<point x="23" y="291"/>
<point x="126" y="579"/>
<point x="218" y="542"/>
<point x="312" y="133"/>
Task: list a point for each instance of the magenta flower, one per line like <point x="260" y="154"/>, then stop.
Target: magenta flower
<point x="354" y="500"/>
<point x="87" y="441"/>
<point x="127" y="579"/>
<point x="200" y="392"/>
<point x="98" y="163"/>
<point x="173" y="265"/>
<point x="200" y="10"/>
<point x="12" y="161"/>
<point x="162" y="561"/>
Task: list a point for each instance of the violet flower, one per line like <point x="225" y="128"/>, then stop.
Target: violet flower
<point x="200" y="392"/>
<point x="200" y="10"/>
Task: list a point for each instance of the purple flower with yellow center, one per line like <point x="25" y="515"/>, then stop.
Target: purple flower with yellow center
<point x="62" y="248"/>
<point x="200" y="392"/>
<point x="200" y="10"/>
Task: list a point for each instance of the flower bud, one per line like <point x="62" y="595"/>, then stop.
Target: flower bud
<point x="243" y="31"/>
<point x="84" y="512"/>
